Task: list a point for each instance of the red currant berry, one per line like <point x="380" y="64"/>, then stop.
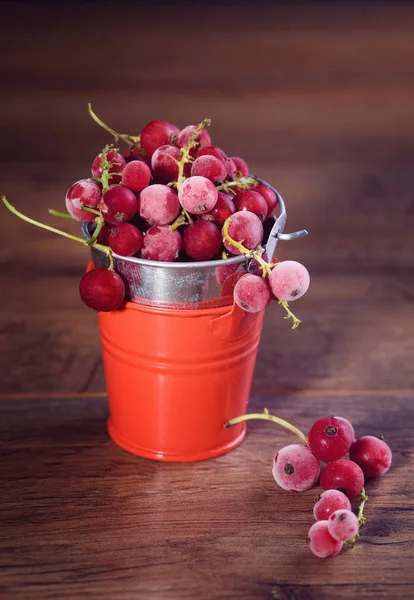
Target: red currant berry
<point x="343" y="525"/>
<point x="328" y="502"/>
<point x="373" y="455"/>
<point x="321" y="543"/>
<point x="330" y="438"/>
<point x="102" y="289"/>
<point x="295" y="468"/>
<point x="344" y="475"/>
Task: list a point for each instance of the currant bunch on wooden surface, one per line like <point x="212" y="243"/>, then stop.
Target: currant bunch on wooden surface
<point x="297" y="467"/>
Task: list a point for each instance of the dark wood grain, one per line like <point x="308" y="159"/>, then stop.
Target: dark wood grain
<point x="319" y="99"/>
<point x="81" y="518"/>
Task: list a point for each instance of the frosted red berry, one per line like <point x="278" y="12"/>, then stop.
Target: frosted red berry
<point x="161" y="243"/>
<point x="343" y="525"/>
<point x="289" y="280"/>
<point x="321" y="543"/>
<point x="197" y="195"/>
<point x="245" y="227"/>
<point x="328" y="502"/>
<point x="210" y="167"/>
<point x="158" y="204"/>
<point x="213" y="151"/>
<point x="84" y="192"/>
<point x="252" y="293"/>
<point x="295" y="468"/>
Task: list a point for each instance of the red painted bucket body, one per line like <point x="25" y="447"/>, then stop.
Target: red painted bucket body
<point x="174" y="377"/>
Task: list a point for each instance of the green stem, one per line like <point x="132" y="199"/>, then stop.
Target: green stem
<point x="90" y="210"/>
<point x="130" y="141"/>
<point x="242" y="182"/>
<point x="105" y="166"/>
<point x="360" y="511"/>
<point x="265" y="416"/>
<point x="187" y="214"/>
<point x="13" y="210"/>
<point x="57" y="213"/>
<point x="185" y="151"/>
<point x="290" y="315"/>
<point x="180" y="220"/>
<point x="361" y="518"/>
<point x="256" y="254"/>
<point x="99" y="225"/>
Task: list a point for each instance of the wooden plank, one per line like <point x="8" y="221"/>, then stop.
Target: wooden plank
<point x="80" y="517"/>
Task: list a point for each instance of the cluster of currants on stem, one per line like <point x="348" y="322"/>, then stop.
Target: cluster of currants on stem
<point x="173" y="196"/>
<point x="297" y="467"/>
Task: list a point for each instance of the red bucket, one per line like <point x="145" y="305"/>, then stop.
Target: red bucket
<point x="174" y="377"/>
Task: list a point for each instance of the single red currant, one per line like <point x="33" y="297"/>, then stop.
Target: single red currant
<point x="330" y="438"/>
<point x="372" y="454"/>
<point x="295" y="468"/>
<point x="328" y="502"/>
<point x="344" y="475"/>
<point x="321" y="543"/>
<point x="343" y="525"/>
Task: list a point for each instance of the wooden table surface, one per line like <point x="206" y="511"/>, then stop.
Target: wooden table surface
<point x="319" y="99"/>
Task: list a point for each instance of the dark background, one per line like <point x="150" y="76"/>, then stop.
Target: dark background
<point x="317" y="97"/>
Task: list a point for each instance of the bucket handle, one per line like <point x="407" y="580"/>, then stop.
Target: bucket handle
<point x="276" y="233"/>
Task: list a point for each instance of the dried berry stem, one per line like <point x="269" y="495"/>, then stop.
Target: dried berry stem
<point x="361" y="518"/>
<point x="180" y="220"/>
<point x="360" y="511"/>
<point x="185" y="151"/>
<point x="290" y="315"/>
<point x="62" y="215"/>
<point x="256" y="254"/>
<point x="241" y="182"/>
<point x="89" y="209"/>
<point x="130" y="140"/>
<point x="105" y="166"/>
<point x="13" y="210"/>
<point x="267" y="417"/>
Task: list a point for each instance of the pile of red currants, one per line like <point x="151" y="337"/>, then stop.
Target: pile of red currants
<point x="173" y="196"/>
<point x="297" y="467"/>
